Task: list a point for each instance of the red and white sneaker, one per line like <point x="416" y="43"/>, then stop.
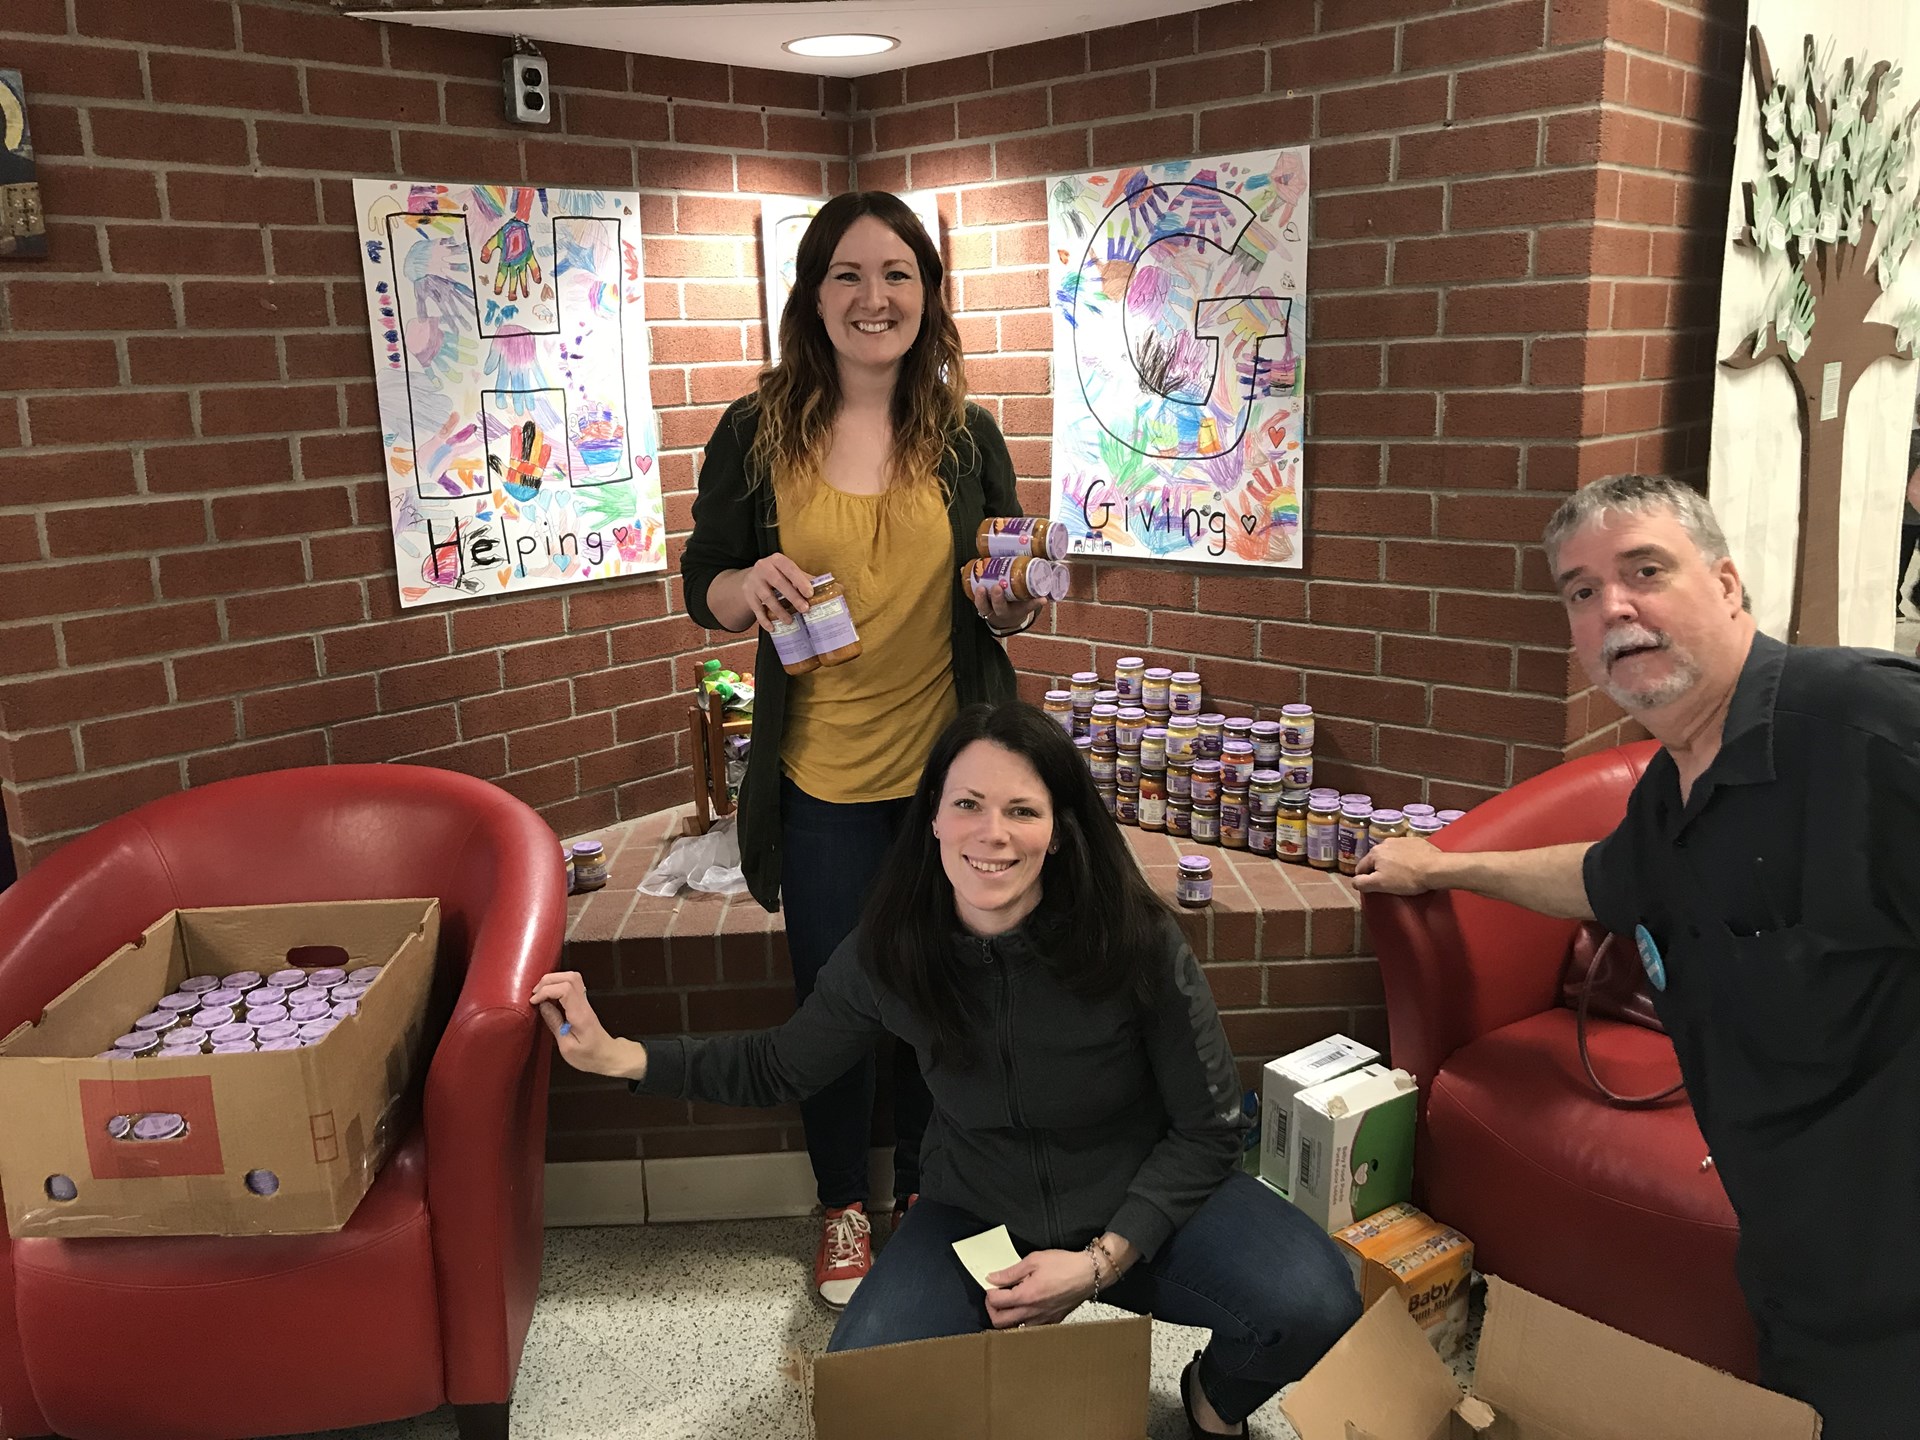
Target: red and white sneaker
<point x="845" y="1254"/>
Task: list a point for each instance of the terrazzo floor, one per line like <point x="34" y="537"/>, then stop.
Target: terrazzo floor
<point x="671" y="1332"/>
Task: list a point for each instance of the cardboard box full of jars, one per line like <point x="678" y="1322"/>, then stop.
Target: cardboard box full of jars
<point x="269" y="1143"/>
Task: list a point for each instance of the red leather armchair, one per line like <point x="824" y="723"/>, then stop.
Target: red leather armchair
<point x="1604" y="1210"/>
<point x="424" y="1297"/>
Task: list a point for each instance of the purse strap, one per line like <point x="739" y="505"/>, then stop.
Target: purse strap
<point x="1601" y="957"/>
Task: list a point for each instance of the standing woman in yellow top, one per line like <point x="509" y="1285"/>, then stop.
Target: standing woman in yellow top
<point x="858" y="455"/>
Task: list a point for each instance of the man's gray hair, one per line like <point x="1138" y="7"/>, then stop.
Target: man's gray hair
<point x="1640" y="495"/>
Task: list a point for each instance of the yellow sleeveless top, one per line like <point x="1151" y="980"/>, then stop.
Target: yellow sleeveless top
<point x="862" y="730"/>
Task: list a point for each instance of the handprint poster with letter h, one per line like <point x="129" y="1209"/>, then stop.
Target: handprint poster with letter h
<point x="510" y="354"/>
<point x="1179" y="325"/>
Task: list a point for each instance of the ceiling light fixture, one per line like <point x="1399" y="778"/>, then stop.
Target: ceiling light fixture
<point x="835" y="47"/>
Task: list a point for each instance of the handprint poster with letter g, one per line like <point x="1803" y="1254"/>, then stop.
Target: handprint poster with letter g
<point x="510" y="355"/>
<point x="1179" y="353"/>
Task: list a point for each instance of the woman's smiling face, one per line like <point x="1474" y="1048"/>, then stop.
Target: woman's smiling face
<point x="873" y="298"/>
<point x="995" y="827"/>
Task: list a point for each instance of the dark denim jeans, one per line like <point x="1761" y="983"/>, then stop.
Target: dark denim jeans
<point x="829" y="856"/>
<point x="1248" y="1266"/>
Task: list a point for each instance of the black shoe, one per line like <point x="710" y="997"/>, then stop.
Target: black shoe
<point x="1191" y="1375"/>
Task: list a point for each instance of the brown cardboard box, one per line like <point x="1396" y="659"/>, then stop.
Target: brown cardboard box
<point x="1543" y="1373"/>
<point x="1050" y="1382"/>
<point x="320" y="1120"/>
<point x="1430" y="1265"/>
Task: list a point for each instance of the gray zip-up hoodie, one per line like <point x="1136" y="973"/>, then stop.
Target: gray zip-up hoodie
<point x="1075" y="1116"/>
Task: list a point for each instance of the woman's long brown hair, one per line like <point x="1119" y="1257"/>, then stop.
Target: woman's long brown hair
<point x="799" y="398"/>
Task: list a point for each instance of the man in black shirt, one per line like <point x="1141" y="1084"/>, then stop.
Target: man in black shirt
<point x="1766" y="869"/>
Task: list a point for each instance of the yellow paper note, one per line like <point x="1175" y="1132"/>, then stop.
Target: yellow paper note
<point x="984" y="1255"/>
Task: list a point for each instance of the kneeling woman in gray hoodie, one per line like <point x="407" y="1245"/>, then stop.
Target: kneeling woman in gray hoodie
<point x="1083" y="1091"/>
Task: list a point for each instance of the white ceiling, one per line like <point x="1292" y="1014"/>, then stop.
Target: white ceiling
<point x="752" y="34"/>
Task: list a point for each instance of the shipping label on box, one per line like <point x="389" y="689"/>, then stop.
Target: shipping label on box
<point x="1282" y="1080"/>
<point x="1428" y="1264"/>
<point x="1354" y="1139"/>
<point x="264" y="1143"/>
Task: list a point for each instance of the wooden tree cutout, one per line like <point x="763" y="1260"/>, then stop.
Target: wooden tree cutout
<point x="1833" y="182"/>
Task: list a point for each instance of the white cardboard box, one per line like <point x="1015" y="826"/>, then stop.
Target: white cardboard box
<point x="1353" y="1137"/>
<point x="1283" y="1079"/>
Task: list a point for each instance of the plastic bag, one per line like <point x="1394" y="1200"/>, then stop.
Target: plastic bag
<point x="709" y="863"/>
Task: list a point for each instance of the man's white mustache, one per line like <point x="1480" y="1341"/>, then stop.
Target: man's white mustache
<point x="1620" y="641"/>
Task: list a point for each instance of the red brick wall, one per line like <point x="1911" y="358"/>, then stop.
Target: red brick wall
<point x="195" y="575"/>
<point x="1513" y="276"/>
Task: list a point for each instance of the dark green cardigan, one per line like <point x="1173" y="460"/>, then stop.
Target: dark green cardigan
<point x="733" y="526"/>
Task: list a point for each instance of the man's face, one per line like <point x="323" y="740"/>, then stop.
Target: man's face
<point x="1651" y="617"/>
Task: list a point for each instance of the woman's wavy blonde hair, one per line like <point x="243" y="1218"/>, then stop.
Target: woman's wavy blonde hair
<point x="799" y="398"/>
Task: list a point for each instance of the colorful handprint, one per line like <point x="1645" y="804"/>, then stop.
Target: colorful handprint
<point x="519" y="267"/>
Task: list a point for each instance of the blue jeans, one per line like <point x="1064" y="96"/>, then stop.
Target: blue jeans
<point x="829" y="856"/>
<point x="1248" y="1266"/>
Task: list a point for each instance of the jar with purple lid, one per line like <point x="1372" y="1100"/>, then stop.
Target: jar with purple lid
<point x="278" y="1030"/>
<point x="1179" y="819"/>
<point x="1194" y="888"/>
<point x="1447" y="817"/>
<point x="236" y="1047"/>
<point x="1153" y="687"/>
<point x="1207" y="734"/>
<point x="1103" y="724"/>
<point x="199" y="984"/>
<point x="288" y="979"/>
<point x="187" y="1037"/>
<point x="284" y="1042"/>
<point x="222" y="996"/>
<point x="1205" y="824"/>
<point x="315" y="1030"/>
<point x="120" y="1126"/>
<point x="1425" y="826"/>
<point x="258" y="1015"/>
<point x="160" y="1125"/>
<point x="331" y="975"/>
<point x="212" y="1017"/>
<point x="179" y="1052"/>
<point x="1205" y="786"/>
<point x="362" y="978"/>
<point x="1296" y="727"/>
<point x="138" y="1043"/>
<point x="1296" y="768"/>
<point x="180" y="1001"/>
<point x="1236" y="763"/>
<point x="1126" y="769"/>
<point x="245" y="980"/>
<point x="1386" y="825"/>
<point x="1328" y="792"/>
<point x="1237" y="727"/>
<point x="158" y="1022"/>
<point x="229" y="1034"/>
<point x="1129" y="678"/>
<point x="1153" y="747"/>
<point x="343" y="1009"/>
<point x="1233" y="819"/>
<point x="1266" y="744"/>
<point x="1180" y="783"/>
<point x="1059" y="706"/>
<point x="1107" y="697"/>
<point x="1417" y="809"/>
<point x="1126" y="806"/>
<point x="1101" y="761"/>
<point x="1352" y="837"/>
<point x="1084" y="683"/>
<point x="1128" y="722"/>
<point x="308" y="1010"/>
<point x="1260" y="836"/>
<point x="1183" y="692"/>
<point x="1353" y="795"/>
<point x="308" y="995"/>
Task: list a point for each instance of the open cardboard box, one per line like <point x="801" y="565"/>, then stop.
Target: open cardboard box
<point x="1050" y="1382"/>
<point x="319" y="1121"/>
<point x="1543" y="1373"/>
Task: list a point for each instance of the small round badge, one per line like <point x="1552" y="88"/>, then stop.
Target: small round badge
<point x="1650" y="960"/>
